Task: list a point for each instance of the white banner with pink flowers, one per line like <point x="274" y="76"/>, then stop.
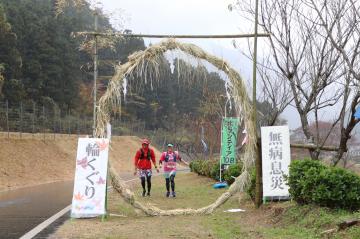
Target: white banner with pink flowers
<point x="90" y="178"/>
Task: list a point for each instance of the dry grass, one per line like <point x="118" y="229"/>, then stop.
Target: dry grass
<point x="276" y="220"/>
<point x="30" y="160"/>
<point x="26" y="162"/>
<point x="193" y="190"/>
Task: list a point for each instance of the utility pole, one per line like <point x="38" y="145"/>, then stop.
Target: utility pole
<point x="258" y="188"/>
<point x="95" y="71"/>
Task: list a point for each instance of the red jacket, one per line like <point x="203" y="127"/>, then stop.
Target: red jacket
<point x="144" y="163"/>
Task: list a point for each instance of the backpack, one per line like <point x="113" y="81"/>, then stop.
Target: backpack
<point x="167" y="157"/>
<point x="142" y="156"/>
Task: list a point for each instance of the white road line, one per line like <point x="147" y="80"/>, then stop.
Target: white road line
<point x="45" y="224"/>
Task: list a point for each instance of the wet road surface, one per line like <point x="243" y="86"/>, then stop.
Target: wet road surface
<point x="23" y="209"/>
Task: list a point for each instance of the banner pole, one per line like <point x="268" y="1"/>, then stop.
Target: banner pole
<point x="105" y="216"/>
<point x="221" y="145"/>
<point x="220" y="170"/>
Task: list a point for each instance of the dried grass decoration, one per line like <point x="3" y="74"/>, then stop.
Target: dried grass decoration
<point x="144" y="62"/>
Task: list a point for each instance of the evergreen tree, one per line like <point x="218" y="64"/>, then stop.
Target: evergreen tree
<point x="10" y="60"/>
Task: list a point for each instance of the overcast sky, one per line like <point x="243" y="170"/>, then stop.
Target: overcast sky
<point x="193" y="17"/>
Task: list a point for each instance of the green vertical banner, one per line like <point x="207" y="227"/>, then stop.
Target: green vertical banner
<point x="229" y="132"/>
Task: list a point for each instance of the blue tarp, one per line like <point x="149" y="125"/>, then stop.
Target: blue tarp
<point x="220" y="185"/>
<point x="357" y="113"/>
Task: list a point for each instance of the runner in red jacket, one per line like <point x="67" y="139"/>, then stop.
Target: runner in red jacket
<point x="142" y="162"/>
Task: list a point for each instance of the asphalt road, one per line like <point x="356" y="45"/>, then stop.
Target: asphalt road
<point x="23" y="209"/>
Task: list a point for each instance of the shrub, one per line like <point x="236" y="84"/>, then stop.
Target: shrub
<point x="191" y="166"/>
<point x="211" y="169"/>
<point x="195" y="166"/>
<point x="215" y="171"/>
<point x="303" y="179"/>
<point x="203" y="167"/>
<point x="339" y="188"/>
<point x="232" y="171"/>
<point x="312" y="182"/>
<point x="206" y="167"/>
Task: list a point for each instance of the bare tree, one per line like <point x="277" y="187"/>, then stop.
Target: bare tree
<point x="304" y="55"/>
<point x="276" y="93"/>
<point x="212" y="108"/>
<point x="340" y="19"/>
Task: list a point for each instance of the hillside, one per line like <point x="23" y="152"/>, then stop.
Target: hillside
<point x="30" y="161"/>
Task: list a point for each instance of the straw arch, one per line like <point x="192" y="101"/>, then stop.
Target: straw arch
<point x="146" y="60"/>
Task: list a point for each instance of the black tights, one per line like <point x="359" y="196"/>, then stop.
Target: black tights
<point x="148" y="179"/>
<point x="172" y="181"/>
